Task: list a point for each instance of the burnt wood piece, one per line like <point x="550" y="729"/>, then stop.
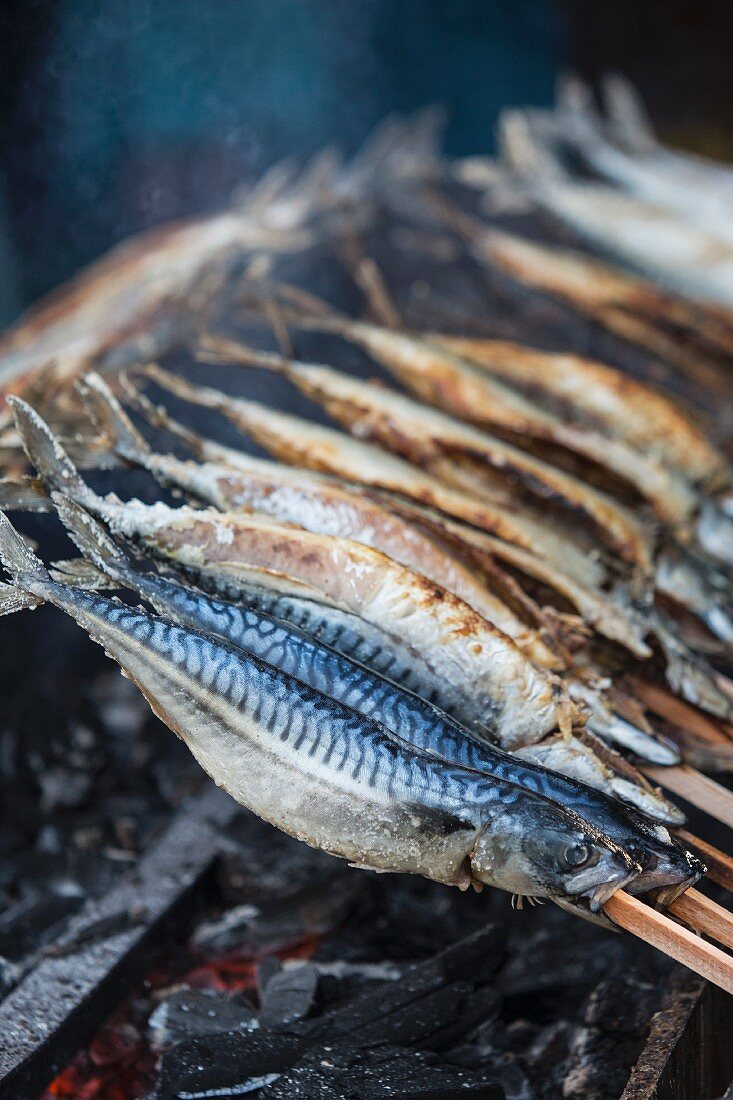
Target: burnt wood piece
<point x="380" y="1073"/>
<point x="106" y="949"/>
<point x="433" y="1005"/>
<point x="688" y="1053"/>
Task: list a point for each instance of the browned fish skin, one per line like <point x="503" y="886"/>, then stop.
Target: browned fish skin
<point x="300" y="442"/>
<point x="431" y="439"/>
<point x="444" y="374"/>
<point x="602" y="396"/>
<point x="232" y="481"/>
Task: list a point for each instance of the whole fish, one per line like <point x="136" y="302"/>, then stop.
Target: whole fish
<point x="695" y="344"/>
<point x="441" y="376"/>
<point x="330" y="777"/>
<point x="441" y="443"/>
<point x="232" y="481"/>
<point x="664" y="865"/>
<point x="698" y="191"/>
<point x="484" y="678"/>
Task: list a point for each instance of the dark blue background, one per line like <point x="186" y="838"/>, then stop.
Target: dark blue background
<point x="118" y="114"/>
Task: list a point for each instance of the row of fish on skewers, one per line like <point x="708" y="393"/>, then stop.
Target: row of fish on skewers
<point x="313" y="740"/>
<point x="409" y="644"/>
<point x="337" y="598"/>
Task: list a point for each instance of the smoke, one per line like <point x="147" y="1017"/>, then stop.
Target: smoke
<point x="127" y="114"/>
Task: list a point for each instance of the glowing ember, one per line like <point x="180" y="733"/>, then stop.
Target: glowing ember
<point x="120" y="1062"/>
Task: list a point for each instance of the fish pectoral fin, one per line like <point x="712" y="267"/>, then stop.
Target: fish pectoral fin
<point x="445" y="822"/>
<point x="81" y="573"/>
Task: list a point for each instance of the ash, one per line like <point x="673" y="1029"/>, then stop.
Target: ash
<point x="304" y="978"/>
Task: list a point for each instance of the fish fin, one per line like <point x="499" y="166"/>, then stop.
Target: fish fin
<point x="80" y="573"/>
<point x="112" y="420"/>
<point x="13" y="599"/>
<point x="24" y="494"/>
<point x="446" y="822"/>
<point x="92" y="539"/>
<point x="25" y="568"/>
<point x="204" y="396"/>
<point x="628" y="120"/>
<point x="46" y="453"/>
<point x="159" y="417"/>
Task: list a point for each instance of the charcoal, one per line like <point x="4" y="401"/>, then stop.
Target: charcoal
<point x="289" y="995"/>
<point x="103" y="928"/>
<point x="378" y="1073"/>
<point x="462" y="967"/>
<point x="548" y="1048"/>
<point x="10" y="975"/>
<point x="340" y="981"/>
<point x="273" y="925"/>
<point x="603" y="1051"/>
<point x="225" y="1060"/>
<point x="30" y="924"/>
<point x="432" y="1004"/>
<point x="187" y="1013"/>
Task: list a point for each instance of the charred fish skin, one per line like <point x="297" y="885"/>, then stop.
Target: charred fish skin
<point x="414" y="720"/>
<point x="326" y="775"/>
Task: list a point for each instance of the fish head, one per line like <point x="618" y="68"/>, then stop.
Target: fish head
<point x="668" y="869"/>
<point x="546" y="851"/>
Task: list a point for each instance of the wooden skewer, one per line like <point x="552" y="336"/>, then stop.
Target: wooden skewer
<point x="679" y="943"/>
<point x="674" y="710"/>
<point x="704" y="915"/>
<point x="697" y="789"/>
<point x="719" y="865"/>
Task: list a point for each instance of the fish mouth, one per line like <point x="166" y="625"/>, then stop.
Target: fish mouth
<point x="668" y="876"/>
<point x="593" y="895"/>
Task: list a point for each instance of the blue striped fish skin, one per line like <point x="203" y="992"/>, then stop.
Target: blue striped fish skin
<point x="335" y="779"/>
<point x="329" y="776"/>
<point x="347" y="634"/>
<point x="419" y="722"/>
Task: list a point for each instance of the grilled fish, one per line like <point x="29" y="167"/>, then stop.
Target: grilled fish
<point x="440" y="375"/>
<point x="484" y="677"/>
<point x="665" y="866"/>
<point x="328" y="776"/>
<point x="232" y="481"/>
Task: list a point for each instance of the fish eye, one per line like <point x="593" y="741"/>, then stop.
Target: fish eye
<point x="576" y="856"/>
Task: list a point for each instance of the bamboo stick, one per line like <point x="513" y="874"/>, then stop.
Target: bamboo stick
<point x="665" y="705"/>
<point x="704" y="915"/>
<point x="699" y="790"/>
<point x="679" y="943"/>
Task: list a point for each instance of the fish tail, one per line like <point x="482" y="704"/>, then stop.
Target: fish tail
<point x="205" y="396"/>
<point x="47" y="455"/>
<point x="28" y="574"/>
<point x="97" y="546"/>
<point x="112" y="420"/>
<point x="218" y="349"/>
